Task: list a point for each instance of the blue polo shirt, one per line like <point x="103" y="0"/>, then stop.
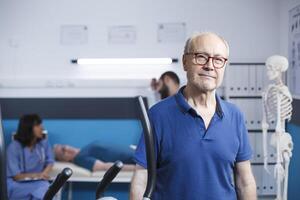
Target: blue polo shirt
<point x="194" y="162"/>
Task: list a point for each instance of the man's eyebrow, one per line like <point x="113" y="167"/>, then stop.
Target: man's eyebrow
<point x="205" y="53"/>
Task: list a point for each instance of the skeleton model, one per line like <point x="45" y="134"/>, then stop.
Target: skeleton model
<point x="277" y="107"/>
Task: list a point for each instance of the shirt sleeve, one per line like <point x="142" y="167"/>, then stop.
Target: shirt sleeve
<point x="140" y="153"/>
<point x="244" y="151"/>
<point x="49" y="158"/>
<point x="14" y="159"/>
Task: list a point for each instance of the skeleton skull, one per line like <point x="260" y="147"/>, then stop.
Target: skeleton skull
<point x="275" y="65"/>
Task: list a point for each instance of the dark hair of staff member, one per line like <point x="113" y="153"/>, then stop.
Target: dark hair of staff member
<point x="167" y="85"/>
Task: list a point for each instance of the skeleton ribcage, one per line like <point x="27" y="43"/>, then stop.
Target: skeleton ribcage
<point x="271" y="105"/>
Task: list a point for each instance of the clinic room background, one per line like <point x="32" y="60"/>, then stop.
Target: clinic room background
<point x="42" y="42"/>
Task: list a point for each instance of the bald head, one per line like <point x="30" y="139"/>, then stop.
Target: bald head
<point x="204" y="36"/>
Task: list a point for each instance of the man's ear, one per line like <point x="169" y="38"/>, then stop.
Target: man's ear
<point x="184" y="62"/>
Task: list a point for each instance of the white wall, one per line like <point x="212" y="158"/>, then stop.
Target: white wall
<point x="30" y="49"/>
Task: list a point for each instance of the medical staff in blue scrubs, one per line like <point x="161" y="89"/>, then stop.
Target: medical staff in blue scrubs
<point x="201" y="141"/>
<point x="29" y="160"/>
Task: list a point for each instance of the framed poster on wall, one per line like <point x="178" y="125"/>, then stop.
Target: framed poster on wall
<point x="294" y="52"/>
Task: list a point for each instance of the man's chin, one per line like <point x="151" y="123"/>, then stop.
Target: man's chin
<point x="206" y="87"/>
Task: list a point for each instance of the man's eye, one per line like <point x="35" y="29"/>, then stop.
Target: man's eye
<point x="201" y="57"/>
<point x="219" y="60"/>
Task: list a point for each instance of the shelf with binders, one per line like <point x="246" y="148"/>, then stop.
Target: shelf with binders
<point x="265" y="182"/>
<point x="251" y="107"/>
<point x="256" y="139"/>
<point x="245" y="79"/>
<point x="243" y="86"/>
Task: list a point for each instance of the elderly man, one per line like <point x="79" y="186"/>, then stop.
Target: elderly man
<point x="201" y="141"/>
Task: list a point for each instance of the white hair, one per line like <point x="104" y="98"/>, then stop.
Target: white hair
<point x="189" y="42"/>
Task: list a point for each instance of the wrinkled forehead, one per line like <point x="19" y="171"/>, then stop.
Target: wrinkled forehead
<point x="210" y="44"/>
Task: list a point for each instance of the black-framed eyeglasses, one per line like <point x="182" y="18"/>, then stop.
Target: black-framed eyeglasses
<point x="203" y="59"/>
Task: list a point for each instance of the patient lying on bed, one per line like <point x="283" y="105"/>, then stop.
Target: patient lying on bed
<point x="95" y="156"/>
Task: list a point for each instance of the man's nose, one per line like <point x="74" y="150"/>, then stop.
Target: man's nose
<point x="209" y="66"/>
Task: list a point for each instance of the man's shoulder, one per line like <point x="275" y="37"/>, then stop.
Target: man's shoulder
<point x="162" y="106"/>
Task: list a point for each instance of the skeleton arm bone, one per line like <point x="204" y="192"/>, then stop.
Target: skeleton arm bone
<point x="265" y="127"/>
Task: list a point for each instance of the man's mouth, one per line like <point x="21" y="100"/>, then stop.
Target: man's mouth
<point x="206" y="75"/>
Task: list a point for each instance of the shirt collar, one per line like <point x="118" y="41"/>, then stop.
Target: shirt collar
<point x="185" y="107"/>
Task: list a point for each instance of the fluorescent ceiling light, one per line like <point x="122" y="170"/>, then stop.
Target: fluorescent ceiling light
<point x="124" y="61"/>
